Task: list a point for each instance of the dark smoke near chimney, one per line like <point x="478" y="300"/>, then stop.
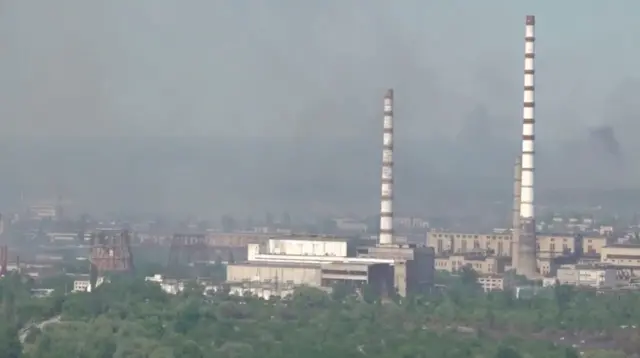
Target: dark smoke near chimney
<point x="602" y="140"/>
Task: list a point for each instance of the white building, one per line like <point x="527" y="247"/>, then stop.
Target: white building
<point x="43" y="211"/>
<point x="311" y="246"/>
<point x="84" y="285"/>
<point x="172" y="287"/>
<point x="494" y="282"/>
<point x="598" y="276"/>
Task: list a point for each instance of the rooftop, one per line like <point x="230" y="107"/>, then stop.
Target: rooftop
<point x="472" y="256"/>
<point x="310" y="237"/>
<point x="490" y="276"/>
<point x="277" y="264"/>
<point x="624" y="246"/>
<point x="593" y="266"/>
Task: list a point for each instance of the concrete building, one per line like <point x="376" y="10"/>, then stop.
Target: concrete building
<point x="445" y="243"/>
<point x="261" y="289"/>
<point x="44" y="211"/>
<point x="273" y="277"/>
<point x="310" y="246"/>
<point x="547" y="245"/>
<point x="84" y="284"/>
<point x="170" y="286"/>
<point x="598" y="276"/>
<point x="413" y="266"/>
<point x="622" y="255"/>
<point x="292" y="273"/>
<point x="410" y="268"/>
<point x="235" y="239"/>
<point x="480" y="263"/>
<point x="494" y="282"/>
<point x="554" y="245"/>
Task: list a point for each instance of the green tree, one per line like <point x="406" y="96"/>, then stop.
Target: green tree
<point x="507" y="352"/>
<point x="10" y="346"/>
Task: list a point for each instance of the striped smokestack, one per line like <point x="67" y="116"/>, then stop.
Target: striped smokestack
<point x="527" y="264"/>
<point x="386" y="200"/>
<point x="515" y="219"/>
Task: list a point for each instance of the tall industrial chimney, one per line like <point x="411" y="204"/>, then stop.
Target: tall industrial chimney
<point x="527" y="264"/>
<point x="386" y="200"/>
<point x="515" y="219"/>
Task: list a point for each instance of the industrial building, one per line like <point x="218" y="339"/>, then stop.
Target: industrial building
<point x="83" y="284"/>
<point x="547" y="245"/>
<point x="480" y="262"/>
<point x="291" y="274"/>
<point x="490" y="283"/>
<point x="627" y="255"/>
<point x="597" y="276"/>
<point x="322" y="261"/>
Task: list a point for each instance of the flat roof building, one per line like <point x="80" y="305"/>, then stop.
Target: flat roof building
<point x="549" y="245"/>
<point x="481" y="263"/>
<point x="598" y="276"/>
<point x="291" y="274"/>
<point x="490" y="283"/>
<point x="627" y="255"/>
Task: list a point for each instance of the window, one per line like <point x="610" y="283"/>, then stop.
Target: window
<point x="476" y="244"/>
<point x="500" y="248"/>
<point x="439" y="247"/>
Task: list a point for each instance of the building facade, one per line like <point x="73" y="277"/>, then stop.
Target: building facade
<point x="501" y="244"/>
<point x="597" y="276"/>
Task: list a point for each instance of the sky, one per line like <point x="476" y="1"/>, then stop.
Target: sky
<point x="308" y="73"/>
<point x="290" y="68"/>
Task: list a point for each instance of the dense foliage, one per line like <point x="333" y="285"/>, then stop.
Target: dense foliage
<point x="131" y="318"/>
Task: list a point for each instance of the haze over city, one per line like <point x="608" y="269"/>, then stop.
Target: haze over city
<point x="219" y="106"/>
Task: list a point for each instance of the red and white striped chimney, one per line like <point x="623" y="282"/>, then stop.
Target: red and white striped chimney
<point x="527" y="264"/>
<point x="386" y="200"/>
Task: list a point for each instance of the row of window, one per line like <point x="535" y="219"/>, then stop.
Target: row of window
<point x="476" y="245"/>
<point x="472" y="236"/>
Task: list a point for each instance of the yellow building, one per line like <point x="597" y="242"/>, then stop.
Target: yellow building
<point x="460" y="243"/>
<point x="480" y="263"/>
<point x="554" y="245"/>
<point x="548" y="245"/>
<point x="621" y="255"/>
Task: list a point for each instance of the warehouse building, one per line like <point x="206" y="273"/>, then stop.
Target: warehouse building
<point x="480" y="262"/>
<point x="548" y="245"/>
<point x="411" y="268"/>
<point x="598" y="276"/>
<point x="278" y="276"/>
<point x="627" y="255"/>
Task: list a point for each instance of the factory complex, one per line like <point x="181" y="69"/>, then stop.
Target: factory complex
<point x="280" y="263"/>
<point x="274" y="264"/>
<point x="286" y="262"/>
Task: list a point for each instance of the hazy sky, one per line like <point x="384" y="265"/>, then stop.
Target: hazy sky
<point x="300" y="71"/>
<point x="305" y="68"/>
